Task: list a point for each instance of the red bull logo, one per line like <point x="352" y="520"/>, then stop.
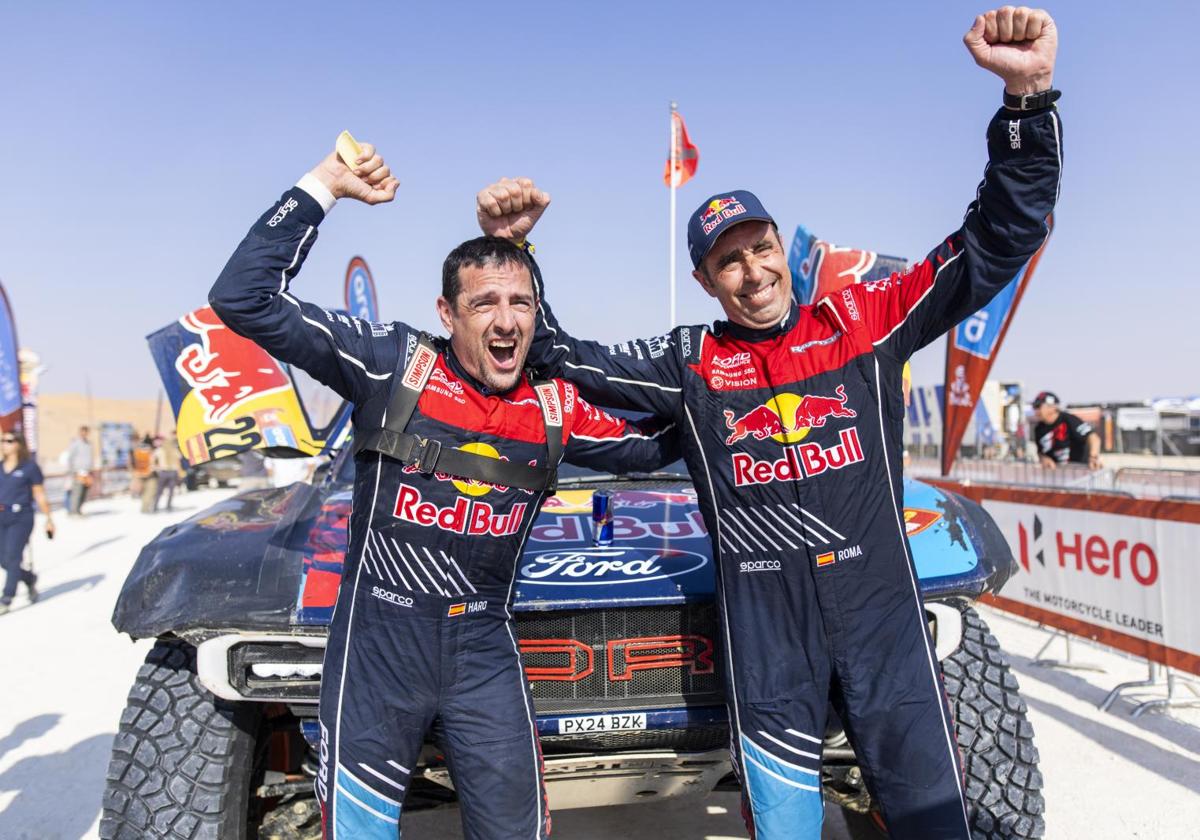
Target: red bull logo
<point x="787" y="418"/>
<point x="225" y="370"/>
<point x="718" y="210"/>
<point x="806" y="460"/>
<point x="473" y="518"/>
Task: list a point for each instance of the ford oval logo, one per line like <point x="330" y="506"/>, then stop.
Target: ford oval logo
<point x="606" y="566"/>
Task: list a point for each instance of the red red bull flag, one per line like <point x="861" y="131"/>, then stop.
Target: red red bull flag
<point x="970" y="351"/>
<point x="227" y="393"/>
<point x="683" y="158"/>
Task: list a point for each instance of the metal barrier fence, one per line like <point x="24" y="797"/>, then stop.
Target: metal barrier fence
<point x="105" y="483"/>
<point x="1137" y="482"/>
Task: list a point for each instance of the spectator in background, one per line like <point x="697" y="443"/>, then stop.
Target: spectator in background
<point x="149" y="493"/>
<point x="167" y="469"/>
<point x="1061" y="437"/>
<point x="21" y="485"/>
<point x="80" y="463"/>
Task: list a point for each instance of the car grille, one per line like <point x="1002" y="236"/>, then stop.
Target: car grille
<point x="600" y="660"/>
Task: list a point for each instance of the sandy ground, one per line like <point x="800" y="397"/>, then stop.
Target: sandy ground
<point x="66" y="673"/>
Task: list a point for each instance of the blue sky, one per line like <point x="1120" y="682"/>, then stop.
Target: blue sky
<point x="143" y="139"/>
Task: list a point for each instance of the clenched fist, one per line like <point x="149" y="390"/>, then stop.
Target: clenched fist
<point x="510" y="208"/>
<point x="369" y="181"/>
<point x="1018" y="44"/>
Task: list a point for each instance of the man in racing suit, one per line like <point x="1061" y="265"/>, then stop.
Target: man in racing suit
<point x="792" y="423"/>
<point x="422" y="636"/>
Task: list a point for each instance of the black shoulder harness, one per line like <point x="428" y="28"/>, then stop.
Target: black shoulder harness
<point x="428" y="455"/>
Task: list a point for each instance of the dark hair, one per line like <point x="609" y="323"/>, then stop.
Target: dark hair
<point x="22" y="448"/>
<point x="481" y="251"/>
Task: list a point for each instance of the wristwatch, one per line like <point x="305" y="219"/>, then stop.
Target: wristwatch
<point x="1031" y="101"/>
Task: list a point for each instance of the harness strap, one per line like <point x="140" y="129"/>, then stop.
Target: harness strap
<point x="428" y="454"/>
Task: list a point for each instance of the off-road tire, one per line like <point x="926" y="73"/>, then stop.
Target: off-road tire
<point x="182" y="759"/>
<point x="995" y="738"/>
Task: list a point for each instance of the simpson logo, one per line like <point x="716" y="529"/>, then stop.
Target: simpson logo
<point x="851" y="306"/>
<point x="816" y="342"/>
<point x="806" y="460"/>
<point x="419" y="368"/>
<point x="728" y="362"/>
<point x="473" y="518"/>
<point x="281" y="214"/>
<point x="551" y="407"/>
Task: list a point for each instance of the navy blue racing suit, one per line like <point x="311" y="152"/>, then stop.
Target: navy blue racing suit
<point x="793" y="438"/>
<point x="422" y="637"/>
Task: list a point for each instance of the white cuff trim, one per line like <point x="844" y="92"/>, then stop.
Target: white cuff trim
<point x="312" y="185"/>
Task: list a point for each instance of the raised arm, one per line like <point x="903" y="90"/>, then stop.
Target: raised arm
<point x="643" y="375"/>
<point x="252" y="296"/>
<point x="1005" y="224"/>
<point x="617" y="445"/>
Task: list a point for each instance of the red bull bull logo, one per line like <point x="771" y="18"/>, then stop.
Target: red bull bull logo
<point x="787" y="418"/>
<point x="718" y="210"/>
<point x="225" y="370"/>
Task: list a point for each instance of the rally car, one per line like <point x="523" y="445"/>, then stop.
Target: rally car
<point x="620" y="644"/>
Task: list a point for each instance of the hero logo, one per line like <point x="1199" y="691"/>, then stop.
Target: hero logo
<point x="281" y="214"/>
<point x="473" y="518"/>
<point x="605" y="566"/>
<point x="415" y="375"/>
<point x="1090" y="553"/>
<point x="799" y="413"/>
<point x="806" y="460"/>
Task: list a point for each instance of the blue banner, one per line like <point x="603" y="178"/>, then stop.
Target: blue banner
<point x="10" y="368"/>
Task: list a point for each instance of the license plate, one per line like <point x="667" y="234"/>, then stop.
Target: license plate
<point x="602" y="723"/>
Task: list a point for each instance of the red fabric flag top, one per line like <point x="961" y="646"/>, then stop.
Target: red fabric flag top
<point x="684" y="158"/>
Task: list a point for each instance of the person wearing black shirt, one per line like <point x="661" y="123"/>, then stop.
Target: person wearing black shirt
<point x="20" y="486"/>
<point x="1062" y="437"/>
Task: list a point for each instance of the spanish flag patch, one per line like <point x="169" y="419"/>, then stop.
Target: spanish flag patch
<point x="456" y="610"/>
<point x="825" y="559"/>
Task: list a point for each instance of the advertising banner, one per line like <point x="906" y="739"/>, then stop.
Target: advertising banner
<point x="1122" y="571"/>
<point x="361" y="300"/>
<point x="10" y="368"/>
<point x="228" y="394"/>
<point x="821" y="268"/>
<point x="971" y="349"/>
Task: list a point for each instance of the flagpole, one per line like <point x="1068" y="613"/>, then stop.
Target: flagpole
<point x="671" y="231"/>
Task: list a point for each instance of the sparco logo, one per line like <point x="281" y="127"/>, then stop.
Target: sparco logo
<point x="1014" y="134"/>
<point x="1090" y="553"/>
<point x="281" y="214"/>
<point x="599" y="567"/>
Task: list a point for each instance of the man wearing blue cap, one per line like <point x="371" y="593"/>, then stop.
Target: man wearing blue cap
<point x="792" y="420"/>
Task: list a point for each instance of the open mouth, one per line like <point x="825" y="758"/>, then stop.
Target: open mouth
<point x="503" y="352"/>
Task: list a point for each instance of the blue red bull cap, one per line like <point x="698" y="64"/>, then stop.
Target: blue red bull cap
<point x="717" y="215"/>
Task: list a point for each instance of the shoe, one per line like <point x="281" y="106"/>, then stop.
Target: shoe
<point x="3" y="609"/>
<point x="33" y="593"/>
